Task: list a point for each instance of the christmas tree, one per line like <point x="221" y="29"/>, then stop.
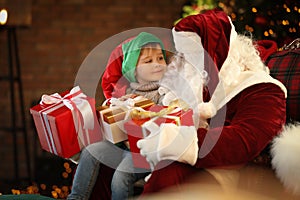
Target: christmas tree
<point x="263" y="19"/>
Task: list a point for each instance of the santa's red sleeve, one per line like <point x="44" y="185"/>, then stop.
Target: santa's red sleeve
<point x="251" y="120"/>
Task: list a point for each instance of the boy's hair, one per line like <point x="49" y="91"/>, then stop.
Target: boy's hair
<point x="131" y="52"/>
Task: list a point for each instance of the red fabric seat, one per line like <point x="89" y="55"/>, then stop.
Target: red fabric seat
<point x="285" y="66"/>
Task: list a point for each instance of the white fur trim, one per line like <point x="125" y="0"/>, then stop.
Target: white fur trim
<point x="233" y="33"/>
<point x="190" y="45"/>
<point x="285" y="151"/>
<point x="187" y="42"/>
<point x="224" y="93"/>
<point x="190" y="155"/>
<point x="207" y="110"/>
<point x="248" y="79"/>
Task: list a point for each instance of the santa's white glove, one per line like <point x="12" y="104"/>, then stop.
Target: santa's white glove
<point x="179" y="143"/>
<point x="148" y="148"/>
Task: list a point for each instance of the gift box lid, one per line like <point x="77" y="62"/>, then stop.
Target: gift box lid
<point x="115" y="113"/>
<point x="181" y="117"/>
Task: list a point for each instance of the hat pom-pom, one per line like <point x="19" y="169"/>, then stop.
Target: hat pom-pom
<point x="285" y="151"/>
<point x="207" y="110"/>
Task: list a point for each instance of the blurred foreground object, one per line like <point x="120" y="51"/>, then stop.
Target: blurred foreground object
<point x="250" y="182"/>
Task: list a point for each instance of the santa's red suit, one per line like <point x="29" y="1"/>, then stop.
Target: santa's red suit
<point x="246" y="109"/>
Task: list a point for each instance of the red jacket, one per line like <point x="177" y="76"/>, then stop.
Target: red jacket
<point x="242" y="129"/>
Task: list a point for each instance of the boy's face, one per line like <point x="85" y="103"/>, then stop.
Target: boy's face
<point x="151" y="64"/>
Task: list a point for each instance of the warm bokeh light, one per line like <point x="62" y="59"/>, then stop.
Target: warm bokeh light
<point x="266" y="33"/>
<point x="285" y="22"/>
<point x="271" y="32"/>
<point x="254" y="10"/>
<point x="3" y="16"/>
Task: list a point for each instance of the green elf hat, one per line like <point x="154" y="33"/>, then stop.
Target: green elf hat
<point x="131" y="52"/>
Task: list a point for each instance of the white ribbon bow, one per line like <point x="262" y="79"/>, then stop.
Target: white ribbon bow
<point x="128" y="103"/>
<point x="76" y="103"/>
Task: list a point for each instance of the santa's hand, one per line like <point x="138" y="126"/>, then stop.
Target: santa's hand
<point x="179" y="143"/>
<point x="172" y="142"/>
<point x="148" y="148"/>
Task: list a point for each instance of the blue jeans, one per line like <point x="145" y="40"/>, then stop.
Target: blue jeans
<point x="122" y="185"/>
<point x="111" y="155"/>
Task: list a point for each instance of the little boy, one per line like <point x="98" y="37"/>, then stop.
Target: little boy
<point x="143" y="64"/>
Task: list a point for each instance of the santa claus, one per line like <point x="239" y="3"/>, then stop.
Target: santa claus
<point x="245" y="110"/>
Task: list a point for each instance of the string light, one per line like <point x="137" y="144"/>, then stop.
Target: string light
<point x="266" y="33"/>
<point x="292" y="30"/>
<point x="249" y="28"/>
<point x="285" y="22"/>
<point x="254" y="10"/>
<point x="54" y="191"/>
<point x="233" y="16"/>
<point x="280" y="17"/>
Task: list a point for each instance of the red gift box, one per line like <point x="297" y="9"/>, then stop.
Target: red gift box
<point x="135" y="130"/>
<point x="66" y="124"/>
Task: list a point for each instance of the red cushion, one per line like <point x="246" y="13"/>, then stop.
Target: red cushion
<point x="285" y="66"/>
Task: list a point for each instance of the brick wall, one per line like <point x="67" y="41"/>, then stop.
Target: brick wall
<point x="61" y="35"/>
